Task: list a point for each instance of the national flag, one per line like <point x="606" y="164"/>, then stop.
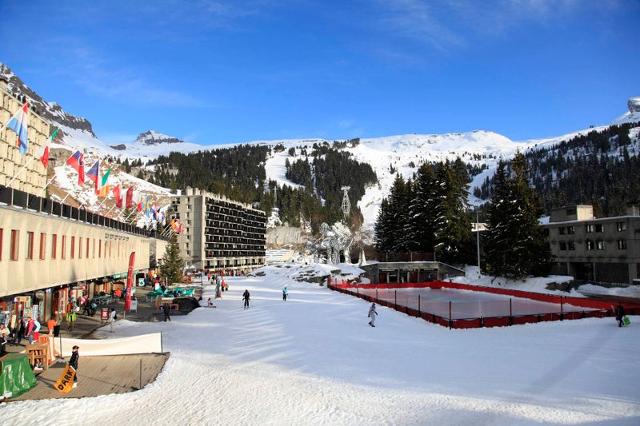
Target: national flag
<point x="105" y="177"/>
<point x="139" y="207"/>
<point x="44" y="158"/>
<point x="93" y="174"/>
<point x="129" y="198"/>
<point x="116" y="195"/>
<point x="77" y="162"/>
<point x="19" y="123"/>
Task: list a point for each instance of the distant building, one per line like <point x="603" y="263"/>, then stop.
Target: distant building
<point x="219" y="233"/>
<point x="595" y="249"/>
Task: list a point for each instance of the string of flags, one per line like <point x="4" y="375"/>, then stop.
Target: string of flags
<point x="18" y="123"/>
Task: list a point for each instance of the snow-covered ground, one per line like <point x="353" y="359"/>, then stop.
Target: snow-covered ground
<point x="314" y="360"/>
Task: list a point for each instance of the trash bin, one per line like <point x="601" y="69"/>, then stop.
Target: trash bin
<point x="56" y="331"/>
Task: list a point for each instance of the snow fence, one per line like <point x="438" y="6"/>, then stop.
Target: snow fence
<point x="142" y="344"/>
<point x="569" y="308"/>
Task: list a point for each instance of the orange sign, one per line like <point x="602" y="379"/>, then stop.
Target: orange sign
<point x="64" y="384"/>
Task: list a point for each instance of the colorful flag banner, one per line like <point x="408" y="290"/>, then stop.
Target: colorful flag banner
<point x="44" y="158"/>
<point x="77" y="162"/>
<point x="105" y="177"/>
<point x="129" y="198"/>
<point x="117" y="196"/>
<point x="19" y="123"/>
<point x="93" y="174"/>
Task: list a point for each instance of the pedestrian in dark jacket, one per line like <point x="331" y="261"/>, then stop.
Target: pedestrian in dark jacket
<point x="245" y="297"/>
<point x="620" y="314"/>
<point x="372" y="315"/>
<point x="166" y="309"/>
<point x="285" y="292"/>
<point x="73" y="362"/>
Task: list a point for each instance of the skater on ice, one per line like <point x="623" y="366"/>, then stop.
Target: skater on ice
<point x="245" y="297"/>
<point x="372" y="315"/>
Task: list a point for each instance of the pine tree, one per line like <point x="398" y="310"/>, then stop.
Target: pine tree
<point x="420" y="208"/>
<point x="515" y="245"/>
<point x="172" y="264"/>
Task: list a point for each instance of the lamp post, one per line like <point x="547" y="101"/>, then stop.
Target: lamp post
<point x="478" y="238"/>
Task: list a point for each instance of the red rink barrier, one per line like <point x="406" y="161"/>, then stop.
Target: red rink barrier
<point x="597" y="308"/>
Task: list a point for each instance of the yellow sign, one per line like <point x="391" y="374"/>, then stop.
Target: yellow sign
<point x="64" y="384"/>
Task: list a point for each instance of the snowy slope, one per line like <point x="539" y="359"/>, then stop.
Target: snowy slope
<point x="313" y="360"/>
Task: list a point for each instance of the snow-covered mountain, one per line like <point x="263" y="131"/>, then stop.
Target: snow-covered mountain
<point x="387" y="155"/>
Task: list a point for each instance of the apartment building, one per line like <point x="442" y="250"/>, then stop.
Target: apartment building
<point x="603" y="249"/>
<point x="218" y="233"/>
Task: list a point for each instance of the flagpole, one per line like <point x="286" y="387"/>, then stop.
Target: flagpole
<point x="50" y="180"/>
<point x="65" y="197"/>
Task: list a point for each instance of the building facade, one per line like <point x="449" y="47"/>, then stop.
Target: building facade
<point x="219" y="234"/>
<point x="52" y="254"/>
<point x="595" y="249"/>
<point x="23" y="172"/>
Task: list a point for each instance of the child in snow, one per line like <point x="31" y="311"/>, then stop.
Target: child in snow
<point x="75" y="356"/>
<point x="620" y="314"/>
<point x="372" y="315"/>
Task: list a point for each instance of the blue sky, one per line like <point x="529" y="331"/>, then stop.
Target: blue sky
<point x="232" y="71"/>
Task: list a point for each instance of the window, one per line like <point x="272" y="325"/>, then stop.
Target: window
<point x="73" y="247"/>
<point x="621" y="226"/>
<point x="0" y="243"/>
<point x="15" y="242"/>
<point x="87" y="251"/>
<point x="571" y="245"/>
<point x="590" y="245"/>
<point x="99" y="249"/>
<point x="600" y="245"/>
<point x="43" y="245"/>
<point x="589" y="228"/>
<point x="562" y="230"/>
<point x="79" y="247"/>
<point x="63" y="254"/>
<point x="599" y="227"/>
<point x="622" y="244"/>
<point x="54" y="244"/>
<point x="571" y="229"/>
<point x="29" y="245"/>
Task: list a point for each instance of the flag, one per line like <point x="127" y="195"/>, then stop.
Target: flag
<point x="19" y="123"/>
<point x="139" y="207"/>
<point x="105" y="177"/>
<point x="93" y="174"/>
<point x="44" y="158"/>
<point x="129" y="198"/>
<point x="77" y="162"/>
<point x="116" y="195"/>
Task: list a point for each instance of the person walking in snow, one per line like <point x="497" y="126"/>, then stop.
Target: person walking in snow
<point x="284" y="293"/>
<point x="73" y="362"/>
<point x="372" y="315"/>
<point x="620" y="314"/>
<point x="245" y="297"/>
<point x="166" y="310"/>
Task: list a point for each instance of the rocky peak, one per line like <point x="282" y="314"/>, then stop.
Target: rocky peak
<point x="50" y="111"/>
<point x="151" y="137"/>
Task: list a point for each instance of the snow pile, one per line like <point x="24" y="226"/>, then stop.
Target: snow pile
<point x="534" y="284"/>
<point x="631" y="291"/>
<point x="313" y="360"/>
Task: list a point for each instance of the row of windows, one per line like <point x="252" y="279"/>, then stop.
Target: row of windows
<point x="77" y="247"/>
<point x="590" y="228"/>
<point x="591" y="245"/>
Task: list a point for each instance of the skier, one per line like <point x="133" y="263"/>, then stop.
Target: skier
<point x="284" y="293"/>
<point x="372" y="315"/>
<point x="73" y="362"/>
<point x="245" y="297"/>
<point x="620" y="314"/>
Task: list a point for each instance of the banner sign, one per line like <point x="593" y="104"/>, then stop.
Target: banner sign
<point x="64" y="384"/>
<point x="127" y="300"/>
